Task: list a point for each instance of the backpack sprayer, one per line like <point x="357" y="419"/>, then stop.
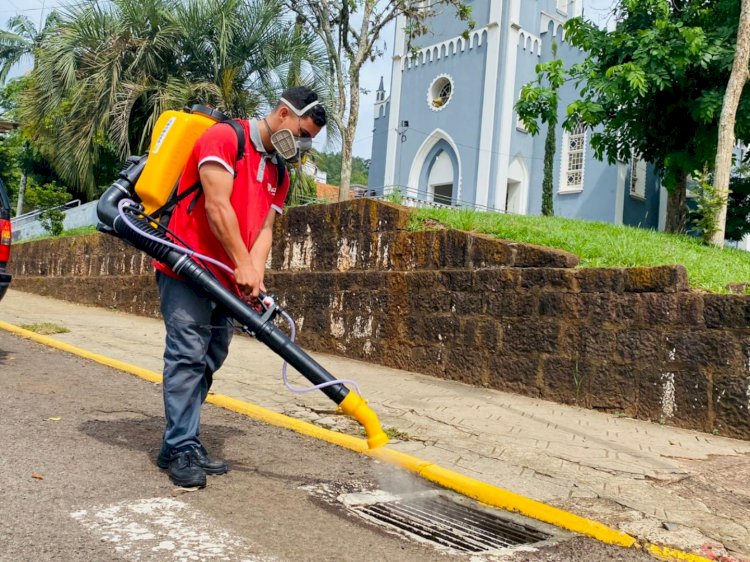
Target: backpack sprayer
<point x="124" y="212"/>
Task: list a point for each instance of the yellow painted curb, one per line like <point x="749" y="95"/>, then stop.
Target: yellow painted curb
<point x="666" y="553"/>
<point x="150" y="376"/>
<point x="280" y="420"/>
<point x="465" y="485"/>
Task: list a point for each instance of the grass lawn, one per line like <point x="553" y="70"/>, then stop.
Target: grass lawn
<point x="72" y="232"/>
<point x="604" y="245"/>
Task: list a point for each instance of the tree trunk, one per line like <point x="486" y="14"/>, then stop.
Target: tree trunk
<point x="548" y="209"/>
<point x="677" y="212"/>
<point x="347" y="137"/>
<point x="21" y="194"/>
<point x="346" y="165"/>
<point x="737" y="80"/>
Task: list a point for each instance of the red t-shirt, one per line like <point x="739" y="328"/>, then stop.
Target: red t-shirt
<point x="254" y="194"/>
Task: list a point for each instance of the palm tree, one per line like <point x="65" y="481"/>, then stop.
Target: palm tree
<point x="17" y="42"/>
<point x="108" y="70"/>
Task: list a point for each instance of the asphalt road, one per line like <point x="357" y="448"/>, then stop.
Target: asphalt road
<point x="78" y="480"/>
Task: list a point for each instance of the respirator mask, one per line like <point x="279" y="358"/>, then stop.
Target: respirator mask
<point x="289" y="147"/>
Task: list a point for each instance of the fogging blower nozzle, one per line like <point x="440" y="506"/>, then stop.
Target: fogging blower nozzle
<point x="353" y="405"/>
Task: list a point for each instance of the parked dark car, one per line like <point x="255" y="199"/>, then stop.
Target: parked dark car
<point x="5" y="238"/>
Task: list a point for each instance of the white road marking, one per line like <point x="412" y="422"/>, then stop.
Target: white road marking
<point x="165" y="529"/>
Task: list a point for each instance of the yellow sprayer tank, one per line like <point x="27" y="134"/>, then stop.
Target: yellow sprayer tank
<point x="172" y="142"/>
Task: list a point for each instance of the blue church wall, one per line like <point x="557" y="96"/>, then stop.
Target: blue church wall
<point x="446" y="25"/>
<point x="461" y="125"/>
<point x="550" y="6"/>
<point x="503" y="77"/>
<point x="639" y="212"/>
<point x="531" y="19"/>
<point x="597" y="199"/>
<point x="522" y="143"/>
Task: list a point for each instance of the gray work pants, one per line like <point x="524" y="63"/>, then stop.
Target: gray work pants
<point x="198" y="336"/>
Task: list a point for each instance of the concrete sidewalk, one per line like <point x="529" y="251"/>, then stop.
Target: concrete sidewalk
<point x="661" y="484"/>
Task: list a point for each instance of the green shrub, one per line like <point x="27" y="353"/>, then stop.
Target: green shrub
<point x="709" y="203"/>
<point x="48" y="197"/>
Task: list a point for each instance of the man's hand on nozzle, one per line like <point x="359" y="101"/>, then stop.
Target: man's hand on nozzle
<point x="255" y="302"/>
<point x="248" y="278"/>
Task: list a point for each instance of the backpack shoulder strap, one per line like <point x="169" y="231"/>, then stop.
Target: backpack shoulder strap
<point x="197" y="188"/>
<point x="164" y="213"/>
<point x="240" y="132"/>
<point x="280" y="171"/>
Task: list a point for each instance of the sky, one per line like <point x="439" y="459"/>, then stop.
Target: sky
<point x="595" y="10"/>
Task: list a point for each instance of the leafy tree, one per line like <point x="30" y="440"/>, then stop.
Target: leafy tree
<point x="738" y="215"/>
<point x="10" y="172"/>
<point x="542" y="102"/>
<point x="708" y="202"/>
<point x="704" y="217"/>
<point x="302" y="188"/>
<point x="106" y="70"/>
<point x="330" y="163"/>
<point x="349" y="31"/>
<point x="653" y="87"/>
<point x="20" y="162"/>
<point x="48" y="197"/>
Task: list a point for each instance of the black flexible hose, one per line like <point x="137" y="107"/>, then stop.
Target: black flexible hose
<point x="265" y="331"/>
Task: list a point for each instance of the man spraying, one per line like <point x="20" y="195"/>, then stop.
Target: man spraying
<point x="229" y="217"/>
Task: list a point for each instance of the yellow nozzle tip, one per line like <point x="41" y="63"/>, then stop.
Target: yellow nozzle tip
<point x="354" y="406"/>
<point x="377" y="440"/>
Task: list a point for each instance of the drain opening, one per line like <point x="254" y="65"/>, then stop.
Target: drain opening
<point x="450" y="524"/>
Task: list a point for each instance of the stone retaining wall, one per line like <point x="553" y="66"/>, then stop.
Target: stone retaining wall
<point x="464" y="307"/>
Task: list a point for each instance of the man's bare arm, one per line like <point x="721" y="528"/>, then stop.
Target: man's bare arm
<point x="217" y="185"/>
<point x="262" y="246"/>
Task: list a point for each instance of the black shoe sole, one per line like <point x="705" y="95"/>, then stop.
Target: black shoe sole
<point x="164" y="464"/>
<point x="216" y="471"/>
<point x="187" y="483"/>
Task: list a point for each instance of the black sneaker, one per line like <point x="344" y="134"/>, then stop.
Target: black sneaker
<point x="209" y="465"/>
<point x="162" y="461"/>
<point x="184" y="472"/>
<point x="166" y="456"/>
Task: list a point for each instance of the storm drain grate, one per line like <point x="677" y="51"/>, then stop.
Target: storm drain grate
<point x="451" y="525"/>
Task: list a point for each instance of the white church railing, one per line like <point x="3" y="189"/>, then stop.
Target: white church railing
<point x="412" y="197"/>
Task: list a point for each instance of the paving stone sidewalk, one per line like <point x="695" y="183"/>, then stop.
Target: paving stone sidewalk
<point x="662" y="484"/>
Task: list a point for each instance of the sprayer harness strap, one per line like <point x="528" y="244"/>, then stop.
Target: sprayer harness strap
<point x="197" y="188"/>
<point x="239" y="131"/>
<point x="165" y="212"/>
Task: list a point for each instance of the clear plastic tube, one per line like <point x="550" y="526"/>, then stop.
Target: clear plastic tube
<point x="187" y="251"/>
<point x="301" y="389"/>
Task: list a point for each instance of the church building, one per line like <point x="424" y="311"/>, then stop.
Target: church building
<point x="448" y="134"/>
